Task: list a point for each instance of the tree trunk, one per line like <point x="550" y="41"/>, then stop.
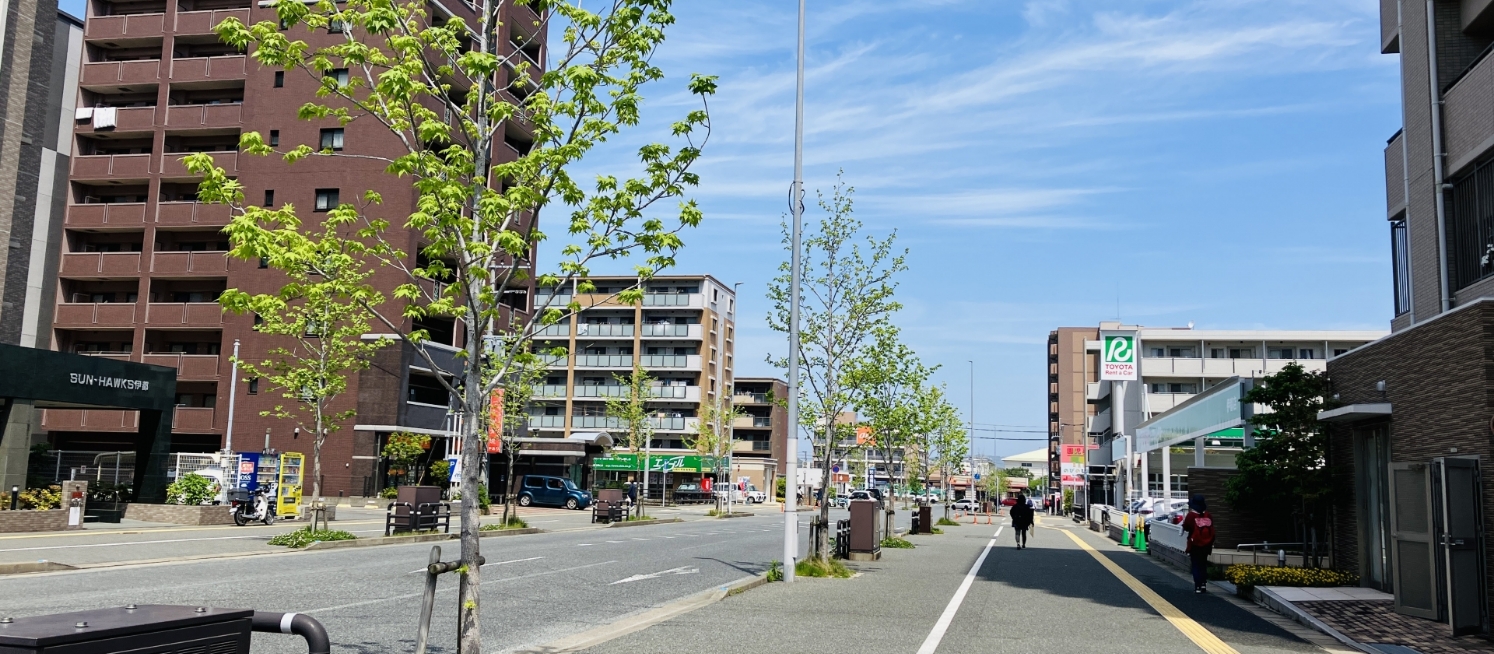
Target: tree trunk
<point x="822" y="539"/>
<point x="469" y="631"/>
<point x="510" y="509"/>
<point x="316" y="459"/>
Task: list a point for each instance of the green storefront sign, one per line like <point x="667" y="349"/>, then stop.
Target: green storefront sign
<point x="630" y="462"/>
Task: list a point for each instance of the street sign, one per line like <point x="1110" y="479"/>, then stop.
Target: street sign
<point x="835" y="468"/>
<point x="1118" y="356"/>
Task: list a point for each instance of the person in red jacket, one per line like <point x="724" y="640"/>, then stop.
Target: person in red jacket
<point x="1199" y="526"/>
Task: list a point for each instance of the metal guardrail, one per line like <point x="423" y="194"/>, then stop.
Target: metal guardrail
<point x="843" y="539"/>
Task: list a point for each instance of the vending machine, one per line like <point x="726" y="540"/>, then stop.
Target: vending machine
<point x="292" y="475"/>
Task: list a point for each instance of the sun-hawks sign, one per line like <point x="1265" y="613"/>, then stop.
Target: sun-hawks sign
<point x="85" y="379"/>
<point x="1118" y="356"/>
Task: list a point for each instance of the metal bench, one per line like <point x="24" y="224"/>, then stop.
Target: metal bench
<point x="407" y="517"/>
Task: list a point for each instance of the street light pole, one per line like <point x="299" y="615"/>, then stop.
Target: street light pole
<point x="796" y="206"/>
<point x="229" y="464"/>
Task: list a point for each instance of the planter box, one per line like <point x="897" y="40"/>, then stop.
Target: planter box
<point x="13" y="521"/>
<point x="180" y="514"/>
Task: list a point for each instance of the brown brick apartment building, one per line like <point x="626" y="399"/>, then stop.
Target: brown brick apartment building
<point x="143" y="263"/>
<point x="1415" y="428"/>
<point x="1070" y="371"/>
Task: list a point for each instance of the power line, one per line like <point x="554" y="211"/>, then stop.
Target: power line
<point x="1013" y="431"/>
<point x="1008" y="438"/>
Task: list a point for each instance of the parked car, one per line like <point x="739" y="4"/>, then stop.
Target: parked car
<point x="1009" y="501"/>
<point x="865" y="494"/>
<point x="840" y="501"/>
<point x="965" y="504"/>
<point x="690" y="493"/>
<point x="552" y="491"/>
<point x="755" y="496"/>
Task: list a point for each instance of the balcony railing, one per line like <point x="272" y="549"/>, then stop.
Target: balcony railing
<point x="126" y="119"/>
<point x="103" y="314"/>
<point x="198" y="116"/>
<point x="677" y="331"/>
<point x="585" y="329"/>
<point x="103" y="166"/>
<point x="193" y="420"/>
<point x="184" y="314"/>
<point x="604" y="361"/>
<point x="207" y="69"/>
<point x="691" y="361"/>
<point x="198" y="367"/>
<point x="602" y="390"/>
<point x="553" y="361"/>
<point x="550" y="390"/>
<point x="559" y="329"/>
<point x="133" y="26"/>
<point x="542" y="300"/>
<point x="671" y="299"/>
<point x="100" y="264"/>
<point x="123" y="215"/>
<point x="753" y="421"/>
<point x="750" y="398"/>
<point x="550" y="422"/>
<point x="190" y="263"/>
<point x="202" y="22"/>
<point x="192" y="213"/>
<point x="121" y="73"/>
<point x="173" y="166"/>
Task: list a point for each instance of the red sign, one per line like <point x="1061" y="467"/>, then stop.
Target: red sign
<point x="495" y="422"/>
<point x="705" y="484"/>
<point x="863" y="436"/>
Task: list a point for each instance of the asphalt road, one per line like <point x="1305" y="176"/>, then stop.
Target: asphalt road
<point x="536" y="588"/>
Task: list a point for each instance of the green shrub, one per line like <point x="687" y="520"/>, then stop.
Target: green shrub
<point x="946" y="522"/>
<point x="936" y="530"/>
<point x="514" y="522"/>
<point x="819" y="568"/>
<point x="1260" y="575"/>
<point x="892" y="542"/>
<point x="191" y="489"/>
<point x="389" y="493"/>
<point x="483" y="501"/>
<point x="775" y="570"/>
<point x="305" y="536"/>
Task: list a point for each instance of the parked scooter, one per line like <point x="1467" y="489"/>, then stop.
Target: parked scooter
<point x="259" y="505"/>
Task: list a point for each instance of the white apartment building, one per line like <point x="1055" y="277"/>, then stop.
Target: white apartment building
<point x="681" y="334"/>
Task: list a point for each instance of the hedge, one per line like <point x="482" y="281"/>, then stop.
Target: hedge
<point x="1260" y="575"/>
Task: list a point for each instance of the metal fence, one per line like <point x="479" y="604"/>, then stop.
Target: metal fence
<point x="105" y="467"/>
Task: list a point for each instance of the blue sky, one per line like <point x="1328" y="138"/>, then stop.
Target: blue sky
<point x="1212" y="161"/>
<point x="1218" y="162"/>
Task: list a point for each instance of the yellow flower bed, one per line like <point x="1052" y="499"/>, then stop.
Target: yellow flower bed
<point x="1260" y="575"/>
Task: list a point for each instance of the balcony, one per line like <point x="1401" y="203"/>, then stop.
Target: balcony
<point x="425" y="416"/>
<point x="121" y="73"/>
<point x="84" y="315"/>
<point x="685" y="393"/>
<point x="189" y="367"/>
<point x="751" y="446"/>
<point x="111" y="166"/>
<point x="98" y="265"/>
<point x="692" y="332"/>
<point x="553" y="362"/>
<point x="1466" y="119"/>
<point x="184" y="314"/>
<point x="750" y="398"/>
<point x="194" y="420"/>
<point x="592" y="422"/>
<point x="207" y="69"/>
<point x="603" y="331"/>
<point x="172" y="166"/>
<point x="546" y="422"/>
<point x="189" y="263"/>
<point x="124" y="215"/>
<point x="551" y="391"/>
<point x="126" y="119"/>
<point x="1395" y="183"/>
<point x="202" y="22"/>
<point x="1096" y="391"/>
<point x="604" y="361"/>
<point x="753" y="421"/>
<point x="676" y="361"/>
<point x="133" y="26"/>
<point x="560" y="329"/>
<point x="691" y="300"/>
<point x="205" y="116"/>
<point x="189" y="214"/>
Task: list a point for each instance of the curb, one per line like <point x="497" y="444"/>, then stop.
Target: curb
<point x="737" y="514"/>
<point x="33" y="566"/>
<point x="641" y="621"/>
<point x="523" y="531"/>
<point x="405" y="540"/>
<point x="1274" y="602"/>
<point x="641" y="523"/>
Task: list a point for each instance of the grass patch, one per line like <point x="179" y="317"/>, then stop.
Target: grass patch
<point x="304" y="537"/>
<point x="514" y="522"/>
<point x="936" y="530"/>
<point x="946" y="522"/>
<point x="895" y="543"/>
<point x="423" y="532"/>
<point x="819" y="568"/>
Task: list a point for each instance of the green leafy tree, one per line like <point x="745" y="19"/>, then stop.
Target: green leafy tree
<point x="949" y="444"/>
<point x="525" y="373"/>
<point x="318" y="312"/>
<point x="713" y="431"/>
<point x="449" y="92"/>
<point x="1288" y="465"/>
<point x="636" y="418"/>
<point x="403" y="452"/>
<point x="847" y="284"/>
<point x="889" y="380"/>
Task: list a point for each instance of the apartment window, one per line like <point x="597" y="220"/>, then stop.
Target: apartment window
<point x="1180" y="352"/>
<point x="338" y="27"/>
<point x="340" y="75"/>
<point x="1156" y="352"/>
<point x="1188" y="388"/>
<point x="332" y="139"/>
<point x="1242" y="353"/>
<point x="279" y="78"/>
<point x="1400" y="265"/>
<point x="269" y="199"/>
<point x="1280" y="353"/>
<point x="326" y="199"/>
<point x="1306" y="353"/>
<point x="254" y="386"/>
<point x="274" y="137"/>
<point x="1340" y="351"/>
<point x="1218" y="353"/>
<point x="264" y="262"/>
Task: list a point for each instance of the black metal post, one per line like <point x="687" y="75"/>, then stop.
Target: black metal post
<point x="15" y="497"/>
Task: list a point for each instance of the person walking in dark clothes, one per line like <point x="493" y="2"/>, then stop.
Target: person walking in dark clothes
<point x="1021" y="520"/>
<point x="1199" y="526"/>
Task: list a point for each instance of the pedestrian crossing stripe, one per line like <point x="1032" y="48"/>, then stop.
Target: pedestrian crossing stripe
<point x="1203" y="638"/>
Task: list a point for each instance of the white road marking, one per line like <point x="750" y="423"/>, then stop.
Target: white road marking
<point x="454" y="587"/>
<point x="640" y="539"/>
<point x="931" y="643"/>
<point x="583" y="544"/>
<point x="682" y="570"/>
<point x="669" y="536"/>
<point x="617" y="541"/>
<point x="138" y="542"/>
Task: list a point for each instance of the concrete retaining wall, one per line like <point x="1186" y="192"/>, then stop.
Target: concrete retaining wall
<point x="179" y="514"/>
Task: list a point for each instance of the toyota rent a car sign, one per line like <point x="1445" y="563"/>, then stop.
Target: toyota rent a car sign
<point x="1118" y="356"/>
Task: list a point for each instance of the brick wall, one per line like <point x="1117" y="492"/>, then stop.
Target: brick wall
<point x="1439" y="380"/>
<point x="1344" y="540"/>
<point x="179" y="514"/>
<point x="14" y="521"/>
<point x="1234" y="526"/>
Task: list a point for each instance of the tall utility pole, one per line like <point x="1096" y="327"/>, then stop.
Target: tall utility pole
<point x="796" y="206"/>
